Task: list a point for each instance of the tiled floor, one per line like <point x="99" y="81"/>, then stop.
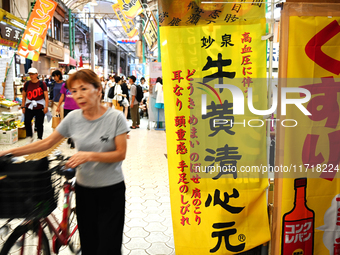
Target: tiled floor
<point x="148" y="225"/>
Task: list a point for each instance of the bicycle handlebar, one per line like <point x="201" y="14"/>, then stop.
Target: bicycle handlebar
<point x="6" y="159"/>
<point x="69" y="173"/>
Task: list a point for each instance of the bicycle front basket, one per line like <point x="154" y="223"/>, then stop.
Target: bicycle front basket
<point x="28" y="189"/>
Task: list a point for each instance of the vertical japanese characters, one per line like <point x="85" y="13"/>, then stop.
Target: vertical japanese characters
<point x="180" y="124"/>
<point x="246" y="61"/>
<point x="37" y="26"/>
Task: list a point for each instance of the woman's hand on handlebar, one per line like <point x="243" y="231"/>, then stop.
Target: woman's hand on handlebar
<point x="79" y="158"/>
<point x="6" y="158"/>
<point x="4" y="153"/>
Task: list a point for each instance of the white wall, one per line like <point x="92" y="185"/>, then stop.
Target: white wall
<point x="20" y="8"/>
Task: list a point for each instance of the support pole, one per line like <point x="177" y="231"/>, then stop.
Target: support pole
<point x="93" y="53"/>
<point x="118" y="60"/>
<point x="74" y="36"/>
<point x="270" y="73"/>
<point x="70" y="34"/>
<point x="106" y="53"/>
<point x="159" y="59"/>
<point x="143" y="49"/>
<point x="126" y="65"/>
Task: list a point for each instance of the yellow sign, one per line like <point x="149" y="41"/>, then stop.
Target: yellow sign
<point x="131" y="8"/>
<point x="150" y="32"/>
<point x="215" y="210"/>
<point x="195" y="13"/>
<point x="128" y="24"/>
<point x="309" y="219"/>
<point x="37" y="26"/>
<point x="9" y="32"/>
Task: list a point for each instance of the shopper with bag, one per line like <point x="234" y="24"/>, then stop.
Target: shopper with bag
<point x="34" y="104"/>
<point x="125" y="91"/>
<point x="69" y="104"/>
<point x="116" y="94"/>
<point x="57" y="117"/>
<point x="136" y="98"/>
<point x="109" y="84"/>
<point x="100" y="137"/>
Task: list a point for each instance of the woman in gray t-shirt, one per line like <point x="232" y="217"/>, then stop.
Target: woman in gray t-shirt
<point x="100" y="137"/>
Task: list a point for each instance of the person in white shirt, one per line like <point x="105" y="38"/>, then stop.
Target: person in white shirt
<point x="159" y="90"/>
<point x="118" y="94"/>
<point x="109" y="84"/>
<point x="143" y="83"/>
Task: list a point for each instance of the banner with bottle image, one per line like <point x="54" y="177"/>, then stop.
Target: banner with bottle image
<point x="221" y="213"/>
<point x="307" y="216"/>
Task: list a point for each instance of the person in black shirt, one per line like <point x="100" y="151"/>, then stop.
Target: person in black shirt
<point x="125" y="91"/>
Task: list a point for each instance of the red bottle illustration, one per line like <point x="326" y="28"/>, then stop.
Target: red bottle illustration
<point x="298" y="224"/>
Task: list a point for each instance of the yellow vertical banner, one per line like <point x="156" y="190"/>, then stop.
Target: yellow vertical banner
<point x="217" y="207"/>
<point x="127" y="23"/>
<point x="308" y="211"/>
<point x="37" y="26"/>
<point x="130" y="8"/>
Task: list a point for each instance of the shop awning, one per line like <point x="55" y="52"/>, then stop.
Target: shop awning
<point x="73" y="62"/>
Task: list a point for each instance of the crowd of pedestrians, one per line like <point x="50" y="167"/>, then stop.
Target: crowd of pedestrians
<point x="116" y="92"/>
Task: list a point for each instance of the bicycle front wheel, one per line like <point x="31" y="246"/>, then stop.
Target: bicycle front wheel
<point x="24" y="241"/>
<point x="74" y="243"/>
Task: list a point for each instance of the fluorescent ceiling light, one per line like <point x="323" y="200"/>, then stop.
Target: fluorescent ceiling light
<point x="94" y="3"/>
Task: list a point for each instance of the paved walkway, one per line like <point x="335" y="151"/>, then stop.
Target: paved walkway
<point x="148" y="226"/>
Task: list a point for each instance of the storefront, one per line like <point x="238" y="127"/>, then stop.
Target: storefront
<point x="68" y="63"/>
<point x="49" y="61"/>
<point x="10" y="30"/>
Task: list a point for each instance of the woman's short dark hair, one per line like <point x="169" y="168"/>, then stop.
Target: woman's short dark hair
<point x="57" y="73"/>
<point x="86" y="75"/>
<point x="159" y="79"/>
<point x="117" y="79"/>
<point x="142" y="79"/>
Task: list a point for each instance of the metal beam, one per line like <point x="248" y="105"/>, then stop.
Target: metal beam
<point x="109" y="37"/>
<point x="108" y="15"/>
<point x="79" y="23"/>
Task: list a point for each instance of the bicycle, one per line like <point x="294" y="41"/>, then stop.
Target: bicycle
<point x="29" y="236"/>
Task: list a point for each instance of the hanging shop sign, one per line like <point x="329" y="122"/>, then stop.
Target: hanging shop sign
<point x="127" y="41"/>
<point x="9" y="32"/>
<point x="7" y="43"/>
<point x="128" y="24"/>
<point x="217" y="206"/>
<point x="308" y="198"/>
<point x="66" y="57"/>
<point x="9" y="29"/>
<point x="37" y="26"/>
<point x="130" y="8"/>
<point x="53" y="50"/>
<point x="150" y="32"/>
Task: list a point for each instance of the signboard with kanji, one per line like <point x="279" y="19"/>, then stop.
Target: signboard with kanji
<point x="130" y="8"/>
<point x="150" y="32"/>
<point x="216" y="209"/>
<point x="307" y="209"/>
<point x="9" y="32"/>
<point x="127" y="23"/>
